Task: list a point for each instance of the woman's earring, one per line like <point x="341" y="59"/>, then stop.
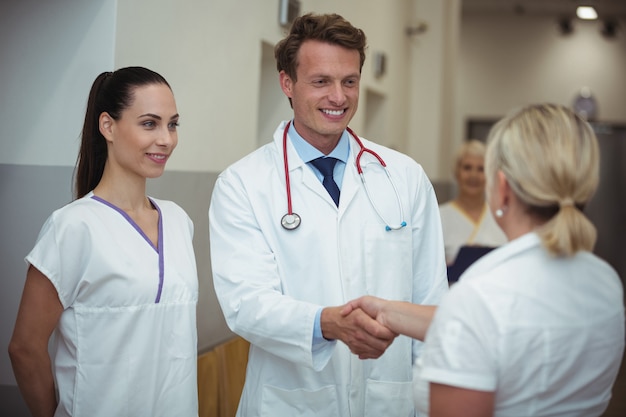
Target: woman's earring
<point x="499" y="213"/>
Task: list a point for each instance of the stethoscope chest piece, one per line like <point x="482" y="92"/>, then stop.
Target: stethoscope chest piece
<point x="290" y="221"/>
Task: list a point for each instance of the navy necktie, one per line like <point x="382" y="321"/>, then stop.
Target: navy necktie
<point x="326" y="167"/>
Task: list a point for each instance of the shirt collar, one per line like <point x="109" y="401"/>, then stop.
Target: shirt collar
<point x="308" y="152"/>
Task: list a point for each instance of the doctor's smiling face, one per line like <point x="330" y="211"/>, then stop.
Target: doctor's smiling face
<point x="325" y="94"/>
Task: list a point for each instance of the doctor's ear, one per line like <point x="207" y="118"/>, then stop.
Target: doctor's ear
<point x="286" y="84"/>
<point x="105" y="125"/>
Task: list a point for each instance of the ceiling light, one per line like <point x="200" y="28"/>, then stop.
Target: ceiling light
<point x="586" y="13"/>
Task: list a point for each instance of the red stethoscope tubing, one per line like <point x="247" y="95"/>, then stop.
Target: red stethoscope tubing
<point x="291" y="220"/>
<point x="362" y="151"/>
<point x="358" y="161"/>
<point x="287" y="183"/>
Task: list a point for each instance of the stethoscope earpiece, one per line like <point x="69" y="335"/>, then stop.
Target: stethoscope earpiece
<point x="389" y="228"/>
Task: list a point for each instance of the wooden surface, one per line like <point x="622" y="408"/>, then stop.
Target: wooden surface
<point x="221" y="375"/>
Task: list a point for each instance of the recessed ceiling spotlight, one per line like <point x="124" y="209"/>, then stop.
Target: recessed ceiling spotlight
<point x="586" y="13"/>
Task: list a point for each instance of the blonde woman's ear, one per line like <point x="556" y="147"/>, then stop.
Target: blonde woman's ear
<point x="502" y="190"/>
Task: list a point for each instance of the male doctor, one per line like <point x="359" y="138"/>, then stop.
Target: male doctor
<point x="282" y="282"/>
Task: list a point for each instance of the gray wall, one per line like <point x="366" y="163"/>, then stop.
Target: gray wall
<point x="27" y="195"/>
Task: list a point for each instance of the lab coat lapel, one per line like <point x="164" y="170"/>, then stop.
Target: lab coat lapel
<point x="299" y="173"/>
<point x="309" y="180"/>
<point x="351" y="180"/>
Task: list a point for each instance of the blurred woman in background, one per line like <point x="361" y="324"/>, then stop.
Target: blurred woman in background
<point x="466" y="220"/>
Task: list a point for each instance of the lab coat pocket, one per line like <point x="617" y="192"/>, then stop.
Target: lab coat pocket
<point x="388" y="262"/>
<point x="299" y="402"/>
<point x="390" y="399"/>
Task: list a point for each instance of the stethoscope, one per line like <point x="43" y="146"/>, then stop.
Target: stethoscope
<point x="291" y="220"/>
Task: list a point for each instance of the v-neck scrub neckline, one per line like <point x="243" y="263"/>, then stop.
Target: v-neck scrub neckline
<point x="158" y="249"/>
<point x="118" y="351"/>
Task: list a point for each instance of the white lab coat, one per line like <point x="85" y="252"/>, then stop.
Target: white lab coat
<point x="270" y="282"/>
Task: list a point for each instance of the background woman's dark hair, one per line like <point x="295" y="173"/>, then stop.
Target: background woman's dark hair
<point x="329" y="28"/>
<point x="111" y="92"/>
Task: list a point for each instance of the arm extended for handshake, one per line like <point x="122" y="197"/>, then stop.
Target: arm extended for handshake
<point x="400" y="317"/>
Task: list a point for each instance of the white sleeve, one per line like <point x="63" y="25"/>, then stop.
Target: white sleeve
<point x="461" y="343"/>
<point x="61" y="252"/>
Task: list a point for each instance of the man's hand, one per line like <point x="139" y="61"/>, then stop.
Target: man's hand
<point x="372" y="306"/>
<point x="400" y="317"/>
<point x="361" y="333"/>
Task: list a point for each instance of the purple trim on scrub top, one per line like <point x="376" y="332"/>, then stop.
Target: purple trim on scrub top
<point x="158" y="249"/>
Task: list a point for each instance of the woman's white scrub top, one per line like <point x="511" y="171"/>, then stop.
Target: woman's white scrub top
<point x="126" y="343"/>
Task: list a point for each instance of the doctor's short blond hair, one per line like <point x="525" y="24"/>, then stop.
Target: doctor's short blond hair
<point x="550" y="158"/>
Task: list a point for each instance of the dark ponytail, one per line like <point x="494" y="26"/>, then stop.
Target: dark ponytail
<point x="111" y="92"/>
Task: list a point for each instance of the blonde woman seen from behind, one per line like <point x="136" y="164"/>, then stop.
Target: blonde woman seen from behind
<point x="535" y="327"/>
<point x="539" y="323"/>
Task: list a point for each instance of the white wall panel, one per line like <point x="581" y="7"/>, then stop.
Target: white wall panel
<point x="51" y="52"/>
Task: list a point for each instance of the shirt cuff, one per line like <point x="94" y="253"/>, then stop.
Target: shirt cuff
<point x="317" y="329"/>
<point x="322" y="348"/>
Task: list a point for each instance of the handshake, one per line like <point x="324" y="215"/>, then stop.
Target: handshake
<point x="368" y="325"/>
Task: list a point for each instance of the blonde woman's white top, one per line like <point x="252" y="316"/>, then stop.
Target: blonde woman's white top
<point x="546" y="334"/>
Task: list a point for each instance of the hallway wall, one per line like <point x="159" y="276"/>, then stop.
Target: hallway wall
<point x="508" y="60"/>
